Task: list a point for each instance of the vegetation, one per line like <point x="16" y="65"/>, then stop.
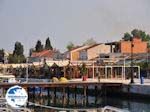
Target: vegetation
<point x="2" y="55"/>
<point x="17" y="56"/>
<point x="38" y="46"/>
<point x="139" y="34"/>
<point x="83" y="69"/>
<point x="70" y="46"/>
<point x="127" y="36"/>
<point x="48" y="44"/>
<point x="144" y="65"/>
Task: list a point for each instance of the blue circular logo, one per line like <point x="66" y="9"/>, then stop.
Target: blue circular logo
<point x="16" y="96"/>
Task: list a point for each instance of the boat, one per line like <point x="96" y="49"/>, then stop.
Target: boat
<point x="6" y="78"/>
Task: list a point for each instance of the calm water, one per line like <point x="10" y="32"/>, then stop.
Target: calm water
<point x="79" y="101"/>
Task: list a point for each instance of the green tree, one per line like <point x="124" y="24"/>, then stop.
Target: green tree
<point x="89" y="41"/>
<point x="135" y="33"/>
<point x="17" y="56"/>
<point x="39" y="46"/>
<point x="142" y="35"/>
<point x="127" y="36"/>
<point x="48" y="44"/>
<point x="2" y="55"/>
<point x="70" y="46"/>
<point x="83" y="69"/>
<point x="18" y="50"/>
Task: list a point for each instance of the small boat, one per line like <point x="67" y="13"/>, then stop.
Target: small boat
<point x="5" y="78"/>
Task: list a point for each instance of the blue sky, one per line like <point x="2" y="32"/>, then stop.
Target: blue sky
<point x="69" y="20"/>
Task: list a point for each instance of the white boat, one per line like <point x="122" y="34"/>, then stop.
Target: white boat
<point x="7" y="78"/>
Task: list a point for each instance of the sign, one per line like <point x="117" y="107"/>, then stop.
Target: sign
<point x="16" y="96"/>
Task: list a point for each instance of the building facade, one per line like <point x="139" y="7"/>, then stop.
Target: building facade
<point x="139" y="46"/>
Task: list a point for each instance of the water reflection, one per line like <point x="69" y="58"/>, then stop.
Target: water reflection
<point x="57" y="99"/>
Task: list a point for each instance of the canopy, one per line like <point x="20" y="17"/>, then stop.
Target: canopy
<point x="58" y="63"/>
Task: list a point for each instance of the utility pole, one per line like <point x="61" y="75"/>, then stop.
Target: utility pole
<point x="132" y="77"/>
<point x="27" y="74"/>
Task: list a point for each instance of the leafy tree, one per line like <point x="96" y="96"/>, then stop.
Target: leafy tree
<point x="2" y="55"/>
<point x="142" y="35"/>
<point x="127" y="36"/>
<point x="135" y="33"/>
<point x="18" y="50"/>
<point x="90" y="41"/>
<point x="70" y="46"/>
<point x="48" y="44"/>
<point x="39" y="46"/>
<point x="17" y="56"/>
<point x="83" y="69"/>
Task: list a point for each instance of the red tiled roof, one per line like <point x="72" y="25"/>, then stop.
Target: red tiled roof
<point x="44" y="53"/>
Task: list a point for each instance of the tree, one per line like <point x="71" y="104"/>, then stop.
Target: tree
<point x="70" y="46"/>
<point x="2" y="55"/>
<point x="17" y="56"/>
<point x="127" y="36"/>
<point x="18" y="50"/>
<point x="142" y="35"/>
<point x="48" y="44"/>
<point x="139" y="34"/>
<point x="83" y="69"/>
<point x="135" y="33"/>
<point x="39" y="46"/>
<point x="90" y="41"/>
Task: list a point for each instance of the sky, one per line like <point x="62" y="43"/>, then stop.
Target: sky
<point x="65" y="21"/>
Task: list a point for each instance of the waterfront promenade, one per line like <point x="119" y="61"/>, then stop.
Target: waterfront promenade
<point x="78" y="81"/>
<point x="69" y="83"/>
<point x="116" y="84"/>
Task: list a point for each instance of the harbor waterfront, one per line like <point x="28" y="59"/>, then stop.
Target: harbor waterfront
<point x="74" y="56"/>
<point x="78" y="94"/>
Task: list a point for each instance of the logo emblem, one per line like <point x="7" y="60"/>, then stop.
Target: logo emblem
<point x="16" y="96"/>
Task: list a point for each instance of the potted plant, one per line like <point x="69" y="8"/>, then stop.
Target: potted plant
<point x="83" y="71"/>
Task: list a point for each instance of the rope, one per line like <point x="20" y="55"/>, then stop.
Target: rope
<point x="58" y="108"/>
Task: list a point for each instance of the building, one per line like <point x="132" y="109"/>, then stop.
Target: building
<point x="88" y="52"/>
<point x="139" y="46"/>
<point x="75" y="53"/>
<point x="93" y="51"/>
<point x="49" y="55"/>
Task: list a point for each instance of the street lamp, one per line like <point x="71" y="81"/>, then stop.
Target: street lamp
<point x="132" y="45"/>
